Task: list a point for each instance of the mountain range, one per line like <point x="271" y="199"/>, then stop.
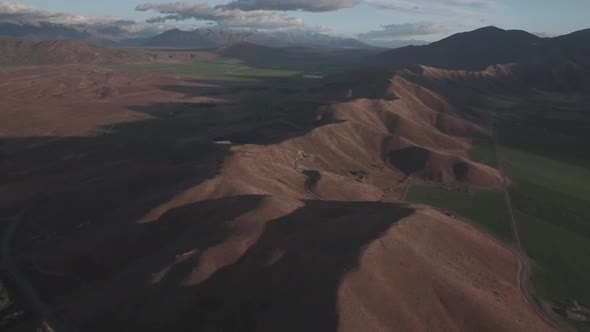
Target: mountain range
<point x="213" y="37"/>
<point x="175" y="38"/>
<point x="14" y="52"/>
<point x="478" y="49"/>
<point x="42" y="31"/>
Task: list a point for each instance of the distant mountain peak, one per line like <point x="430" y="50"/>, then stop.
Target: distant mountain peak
<point x="490" y="34"/>
<point x="489" y="28"/>
<point x="217" y="37"/>
<point x="478" y="49"/>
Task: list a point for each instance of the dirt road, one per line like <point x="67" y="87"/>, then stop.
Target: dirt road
<point x="410" y="182"/>
<point x="524" y="278"/>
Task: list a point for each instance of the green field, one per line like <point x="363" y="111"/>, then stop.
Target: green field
<point x="218" y="69"/>
<point x="551" y="192"/>
<point x="281" y="64"/>
<point x="483" y="152"/>
<point x="559" y="273"/>
<point x="487" y="209"/>
<point x="556" y="144"/>
<point x="554" y="197"/>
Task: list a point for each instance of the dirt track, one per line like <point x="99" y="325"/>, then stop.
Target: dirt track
<point x="524" y="268"/>
<point x="409" y="182"/>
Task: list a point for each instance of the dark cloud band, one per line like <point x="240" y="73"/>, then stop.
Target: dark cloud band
<point x="291" y="5"/>
<point x="236" y="18"/>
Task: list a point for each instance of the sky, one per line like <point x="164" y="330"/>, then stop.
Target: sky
<point x="373" y="21"/>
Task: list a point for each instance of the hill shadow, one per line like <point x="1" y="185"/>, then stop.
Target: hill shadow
<point x="82" y="198"/>
<point x="106" y="265"/>
<point x="287" y="281"/>
<point x="250" y="113"/>
<point x="84" y="195"/>
<point x="116" y="175"/>
<point x="301" y="59"/>
<point x="140" y="164"/>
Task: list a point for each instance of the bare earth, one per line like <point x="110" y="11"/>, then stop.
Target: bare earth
<point x="163" y="203"/>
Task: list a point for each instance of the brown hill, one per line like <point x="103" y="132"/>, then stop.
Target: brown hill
<point x="218" y="37"/>
<point x="579" y="40"/>
<point x="27" y="52"/>
<point x="291" y="222"/>
<point x="552" y="63"/>
<point x="320" y="266"/>
<point x="474" y="50"/>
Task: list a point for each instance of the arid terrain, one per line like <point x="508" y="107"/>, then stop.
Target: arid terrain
<point x="136" y="197"/>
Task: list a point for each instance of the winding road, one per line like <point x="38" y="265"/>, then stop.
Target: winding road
<point x="524" y="268"/>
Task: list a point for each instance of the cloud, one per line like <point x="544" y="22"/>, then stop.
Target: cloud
<point x="99" y="26"/>
<point x="397" y="43"/>
<point x="404" y="30"/>
<point x="399" y="35"/>
<point x="473" y="3"/>
<point x="19" y="13"/>
<point x="545" y="34"/>
<point x="226" y="17"/>
<point x="432" y="6"/>
<point x="24" y="14"/>
<point x="290" y="5"/>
